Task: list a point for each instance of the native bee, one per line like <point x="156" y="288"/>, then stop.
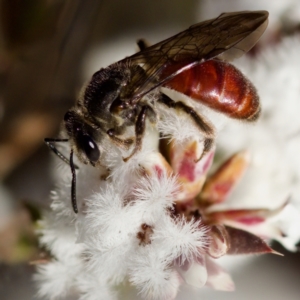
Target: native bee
<point x="193" y="62"/>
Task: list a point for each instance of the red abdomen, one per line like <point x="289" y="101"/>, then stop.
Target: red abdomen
<point x="218" y="85"/>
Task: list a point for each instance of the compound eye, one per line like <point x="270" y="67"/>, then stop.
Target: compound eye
<point x="68" y="116"/>
<point x="90" y="148"/>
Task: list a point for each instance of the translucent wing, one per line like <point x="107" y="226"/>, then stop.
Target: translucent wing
<point x="226" y="37"/>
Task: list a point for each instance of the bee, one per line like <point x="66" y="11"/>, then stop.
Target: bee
<point x="192" y="62"/>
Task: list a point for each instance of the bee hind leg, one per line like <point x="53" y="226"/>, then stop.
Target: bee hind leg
<point x="201" y="122"/>
<point x="207" y="146"/>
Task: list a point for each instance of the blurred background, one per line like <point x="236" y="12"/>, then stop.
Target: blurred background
<point x="48" y="49"/>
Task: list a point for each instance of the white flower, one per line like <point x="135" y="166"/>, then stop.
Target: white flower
<point x="273" y="175"/>
<point x="125" y="229"/>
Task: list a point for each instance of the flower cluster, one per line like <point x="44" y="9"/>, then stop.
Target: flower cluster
<point x="162" y="218"/>
<point x="150" y="221"/>
<point x="127" y="228"/>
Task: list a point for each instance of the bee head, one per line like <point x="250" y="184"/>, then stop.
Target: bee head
<point x="83" y="136"/>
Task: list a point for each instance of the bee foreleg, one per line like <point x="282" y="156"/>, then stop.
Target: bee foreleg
<point x="124" y="143"/>
<point x="140" y="127"/>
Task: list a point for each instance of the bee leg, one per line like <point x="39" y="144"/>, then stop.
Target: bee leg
<point x="124" y="143"/>
<point x="140" y="127"/>
<point x="142" y="44"/>
<point x="204" y="125"/>
<point x="208" y="144"/>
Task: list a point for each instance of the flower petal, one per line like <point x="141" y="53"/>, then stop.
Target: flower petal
<point x="244" y="217"/>
<point x="243" y="242"/>
<point x="191" y="172"/>
<point x="195" y="273"/>
<point x="221" y="183"/>
<point x="219" y="241"/>
<point x="218" y="278"/>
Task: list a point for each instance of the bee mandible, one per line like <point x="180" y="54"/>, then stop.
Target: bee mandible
<point x="192" y="62"/>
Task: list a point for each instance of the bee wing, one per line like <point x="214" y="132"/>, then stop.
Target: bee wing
<point x="226" y="37"/>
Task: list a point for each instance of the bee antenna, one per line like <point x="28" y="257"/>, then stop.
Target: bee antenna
<point x="73" y="186"/>
<point x="49" y="142"/>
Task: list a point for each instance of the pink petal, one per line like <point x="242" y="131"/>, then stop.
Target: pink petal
<point x="244" y="242"/>
<point x="243" y="217"/>
<point x="218" y="241"/>
<point x="156" y="164"/>
<point x="194" y="273"/>
<point x="191" y="172"/>
<point x="220" y="184"/>
<point x="218" y="278"/>
<point x="246" y="217"/>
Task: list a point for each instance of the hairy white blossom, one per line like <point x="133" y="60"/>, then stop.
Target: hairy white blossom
<point x="58" y="278"/>
<point x="273" y="176"/>
<point x="125" y="228"/>
<point x="91" y="288"/>
<point x="182" y="239"/>
<point x="153" y="276"/>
